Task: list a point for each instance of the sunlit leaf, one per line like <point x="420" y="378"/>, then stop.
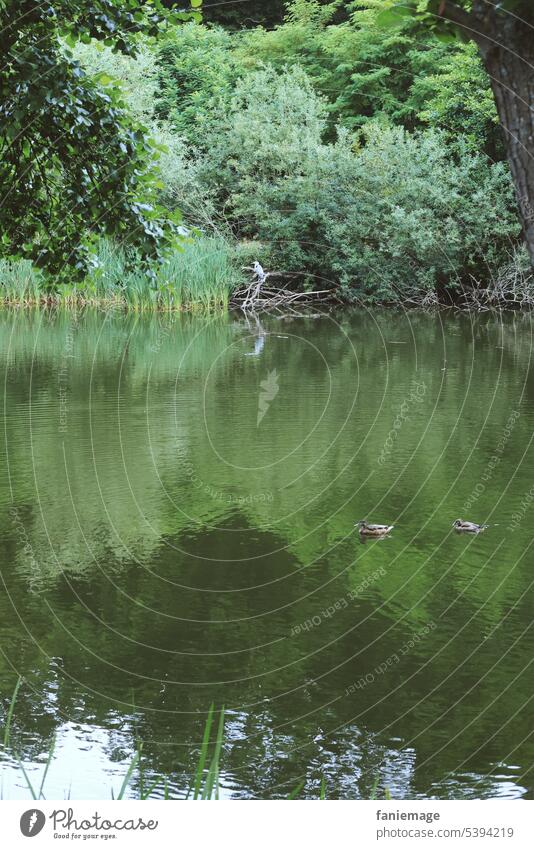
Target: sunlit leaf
<point x="394" y="16"/>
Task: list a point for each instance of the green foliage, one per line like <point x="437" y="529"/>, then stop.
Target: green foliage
<point x="303" y="39"/>
<point x="451" y="92"/>
<point x="397" y="212"/>
<point x="246" y="13"/>
<point x="253" y="146"/>
<point x="346" y="143"/>
<point x="260" y="159"/>
<point x="72" y="164"/>
<point x="202" y="275"/>
<point x="405" y="215"/>
<point x="430" y="12"/>
<point x="139" y="80"/>
<point x="136" y="76"/>
<point x="368" y="70"/>
<point x="198" y="72"/>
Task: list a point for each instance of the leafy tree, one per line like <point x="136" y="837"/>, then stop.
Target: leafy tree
<point x="451" y="92"/>
<point x="366" y="70"/>
<point x="247" y="14"/>
<point x="137" y="75"/>
<point x="71" y="163"/>
<point x="363" y="70"/>
<point x="257" y="157"/>
<point x="398" y="213"/>
<point x="503" y="33"/>
<point x="140" y="80"/>
<point x="198" y="72"/>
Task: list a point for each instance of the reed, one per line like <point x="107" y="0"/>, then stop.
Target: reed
<point x="9" y="717"/>
<point x="205" y="783"/>
<point x="202" y="277"/>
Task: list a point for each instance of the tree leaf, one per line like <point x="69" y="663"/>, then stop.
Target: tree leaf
<point x="394" y="16"/>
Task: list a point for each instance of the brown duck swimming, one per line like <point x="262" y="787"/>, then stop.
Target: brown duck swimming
<point x="369" y="530"/>
<point x="468" y="527"/>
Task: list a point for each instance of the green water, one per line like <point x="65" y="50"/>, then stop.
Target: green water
<point x="177" y="508"/>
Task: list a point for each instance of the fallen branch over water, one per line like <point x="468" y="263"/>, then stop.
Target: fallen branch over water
<point x="257" y="297"/>
<point x="422" y="300"/>
<point x="511" y="288"/>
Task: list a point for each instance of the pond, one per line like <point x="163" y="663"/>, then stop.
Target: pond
<point x="177" y="505"/>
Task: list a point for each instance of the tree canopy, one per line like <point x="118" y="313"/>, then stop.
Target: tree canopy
<point x="503" y="34"/>
<point x="348" y="139"/>
<point x="72" y="163"/>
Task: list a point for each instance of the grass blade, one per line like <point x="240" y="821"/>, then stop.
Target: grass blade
<point x="48" y="762"/>
<point x="212" y="779"/>
<point x="146" y="795"/>
<point x="128" y="776"/>
<point x="322" y="791"/>
<point x="26" y="778"/>
<point x="294" y="793"/>
<point x="7" y="729"/>
<point x="141" y="773"/>
<point x="203" y="753"/>
<point x="374" y="788"/>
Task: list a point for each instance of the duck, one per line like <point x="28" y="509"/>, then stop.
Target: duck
<point x="468" y="527"/>
<point x="369" y="530"/>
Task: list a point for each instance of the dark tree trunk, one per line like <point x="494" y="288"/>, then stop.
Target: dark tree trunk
<point x="506" y="44"/>
<point x="510" y="65"/>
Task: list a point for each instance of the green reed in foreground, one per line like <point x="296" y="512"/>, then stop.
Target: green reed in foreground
<point x="205" y="782"/>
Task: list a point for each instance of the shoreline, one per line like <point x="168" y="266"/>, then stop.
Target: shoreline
<point x="229" y="305"/>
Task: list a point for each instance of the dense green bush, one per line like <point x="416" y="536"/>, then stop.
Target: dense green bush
<point x="451" y="92"/>
<point x="255" y="144"/>
<point x="375" y="205"/>
<point x="397" y="211"/>
<point x="140" y="83"/>
<point x="136" y="75"/>
<point x="198" y="71"/>
<point x="404" y="215"/>
<point x="74" y="165"/>
<point x="366" y="71"/>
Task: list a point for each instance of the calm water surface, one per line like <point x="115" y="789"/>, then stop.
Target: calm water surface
<point x="177" y="507"/>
